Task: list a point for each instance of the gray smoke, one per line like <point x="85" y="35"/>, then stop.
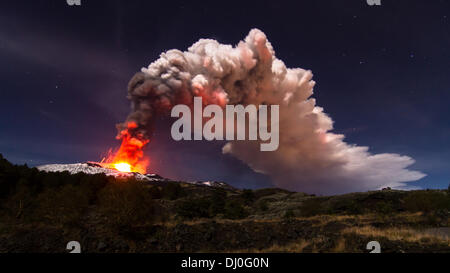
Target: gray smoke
<point x="310" y="157"/>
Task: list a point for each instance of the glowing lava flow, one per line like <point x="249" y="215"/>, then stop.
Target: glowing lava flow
<point x="123" y="167"/>
<point x="130" y="156"/>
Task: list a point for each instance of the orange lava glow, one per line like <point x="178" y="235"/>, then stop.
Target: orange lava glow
<point x="130" y="156"/>
<point x="123" y="167"/>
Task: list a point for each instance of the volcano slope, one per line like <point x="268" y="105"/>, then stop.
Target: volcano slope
<point x="42" y="211"/>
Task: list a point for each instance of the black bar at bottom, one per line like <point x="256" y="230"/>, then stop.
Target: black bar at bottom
<point x="222" y="262"/>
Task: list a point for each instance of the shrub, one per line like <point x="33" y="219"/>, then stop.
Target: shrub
<point x="155" y="192"/>
<point x="206" y="207"/>
<point x="311" y="207"/>
<point x="347" y="206"/>
<point x="126" y="203"/>
<point x="289" y="214"/>
<point x="91" y="185"/>
<point x="262" y="205"/>
<point x="248" y="196"/>
<point x="52" y="180"/>
<point x="234" y="210"/>
<point x="384" y="208"/>
<point x="217" y="205"/>
<point x="172" y="191"/>
<point x="194" y="208"/>
<point x="64" y="206"/>
<point x="427" y="201"/>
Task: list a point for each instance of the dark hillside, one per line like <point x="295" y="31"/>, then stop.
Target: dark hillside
<point x="41" y="212"/>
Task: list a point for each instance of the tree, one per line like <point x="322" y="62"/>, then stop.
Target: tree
<point x="248" y="196"/>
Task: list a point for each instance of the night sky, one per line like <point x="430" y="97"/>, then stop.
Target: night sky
<point x="382" y="74"/>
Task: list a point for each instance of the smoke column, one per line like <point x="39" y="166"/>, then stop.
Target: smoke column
<point x="309" y="158"/>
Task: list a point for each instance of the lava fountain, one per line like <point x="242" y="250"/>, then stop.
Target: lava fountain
<point x="130" y="156"/>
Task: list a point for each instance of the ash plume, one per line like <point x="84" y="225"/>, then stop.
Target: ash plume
<point x="310" y="157"/>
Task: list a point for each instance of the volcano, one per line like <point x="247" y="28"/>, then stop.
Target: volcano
<point x="100" y="168"/>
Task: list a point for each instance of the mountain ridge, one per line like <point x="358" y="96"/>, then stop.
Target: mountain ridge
<point x="96" y="168"/>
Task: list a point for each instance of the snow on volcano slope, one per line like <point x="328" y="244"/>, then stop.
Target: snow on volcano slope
<point x="95" y="168"/>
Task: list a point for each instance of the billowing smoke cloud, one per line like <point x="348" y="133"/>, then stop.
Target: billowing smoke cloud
<point x="309" y="158"/>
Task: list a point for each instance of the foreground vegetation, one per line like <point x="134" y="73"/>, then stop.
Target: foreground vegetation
<point x="41" y="212"/>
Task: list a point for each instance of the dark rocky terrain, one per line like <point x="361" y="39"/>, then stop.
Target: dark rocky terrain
<point x="41" y="212"/>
